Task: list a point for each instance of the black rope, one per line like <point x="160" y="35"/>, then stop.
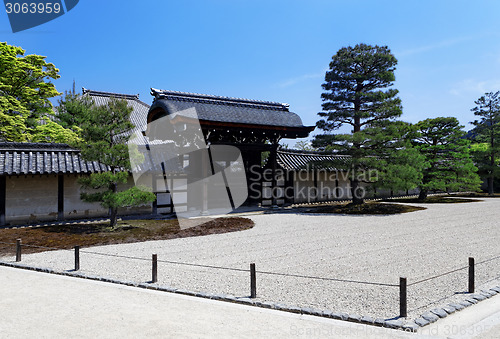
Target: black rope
<point x="36" y="246"/>
<point x="453" y="271"/>
<point x="47" y="248"/>
<point x="166" y="261"/>
<point x="114" y="255"/>
<point x="438" y="276"/>
<point x="8" y="243"/>
<point x="205" y="266"/>
<point x="487" y="260"/>
<point x="328" y="279"/>
<point x="261" y="272"/>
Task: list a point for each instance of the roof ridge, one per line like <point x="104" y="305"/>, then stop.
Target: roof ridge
<point x="158" y="93"/>
<point x="111" y="94"/>
<point x="34" y="146"/>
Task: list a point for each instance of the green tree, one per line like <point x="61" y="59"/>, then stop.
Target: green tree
<point x="487" y="130"/>
<point x="357" y="94"/>
<point x="72" y="109"/>
<point x="398" y="165"/>
<point x="104" y="132"/>
<point x="51" y="131"/>
<point x="25" y="90"/>
<point x="447" y="152"/>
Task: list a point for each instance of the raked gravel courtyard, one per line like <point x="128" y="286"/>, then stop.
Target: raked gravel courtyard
<point x="375" y="249"/>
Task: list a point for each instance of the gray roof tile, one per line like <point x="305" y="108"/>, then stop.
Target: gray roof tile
<point x="226" y="109"/>
<point x="294" y="160"/>
<point x="40" y="158"/>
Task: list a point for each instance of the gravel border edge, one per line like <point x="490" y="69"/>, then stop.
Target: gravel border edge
<point x="400" y="324"/>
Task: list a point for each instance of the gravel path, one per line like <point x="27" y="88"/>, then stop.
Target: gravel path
<point x="378" y="249"/>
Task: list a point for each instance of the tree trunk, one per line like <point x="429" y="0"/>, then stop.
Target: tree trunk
<point x="113" y="216"/>
<point x="492" y="161"/>
<point x="113" y="211"/>
<point x="490" y="185"/>
<point x="357" y="196"/>
<point x="422" y="195"/>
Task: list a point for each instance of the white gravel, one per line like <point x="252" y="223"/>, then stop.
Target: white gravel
<point x="378" y="249"/>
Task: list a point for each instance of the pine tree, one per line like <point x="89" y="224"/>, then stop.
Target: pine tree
<point x="487" y="130"/>
<point x="447" y="152"/>
<point x="357" y="94"/>
<point x="104" y="133"/>
<point x="398" y="166"/>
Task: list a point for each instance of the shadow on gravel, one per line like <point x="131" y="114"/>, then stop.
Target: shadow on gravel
<point x="370" y="208"/>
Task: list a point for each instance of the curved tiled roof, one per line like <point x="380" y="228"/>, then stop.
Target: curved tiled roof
<point x="295" y="160"/>
<point x="41" y="158"/>
<point x="226" y="109"/>
<point x="140" y="109"/>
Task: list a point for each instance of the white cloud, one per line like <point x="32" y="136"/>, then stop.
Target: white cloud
<point x="437" y="45"/>
<point x="296" y="80"/>
<point x="472" y="86"/>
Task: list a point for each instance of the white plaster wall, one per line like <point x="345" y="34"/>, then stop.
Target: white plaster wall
<point x="33" y="198"/>
<point x="305" y="190"/>
<point x="74" y="208"/>
<point x="303" y="185"/>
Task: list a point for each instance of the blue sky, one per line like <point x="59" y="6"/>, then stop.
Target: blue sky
<point x="448" y="51"/>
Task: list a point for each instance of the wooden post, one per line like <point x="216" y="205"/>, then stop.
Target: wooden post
<point x="403" y="301"/>
<point x="253" y="281"/>
<point x="154" y="277"/>
<point x="471" y="275"/>
<point x="18" y="250"/>
<point x="77" y="258"/>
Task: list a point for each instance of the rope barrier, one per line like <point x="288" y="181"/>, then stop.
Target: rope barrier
<point x="36" y="246"/>
<point x="47" y="248"/>
<point x="8" y="243"/>
<point x="116" y="255"/>
<point x="487" y="260"/>
<point x="328" y="279"/>
<point x="438" y="276"/>
<point x="260" y="272"/>
<point x="205" y="266"/>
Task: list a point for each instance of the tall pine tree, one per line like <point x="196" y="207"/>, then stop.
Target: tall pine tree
<point x="357" y="94"/>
